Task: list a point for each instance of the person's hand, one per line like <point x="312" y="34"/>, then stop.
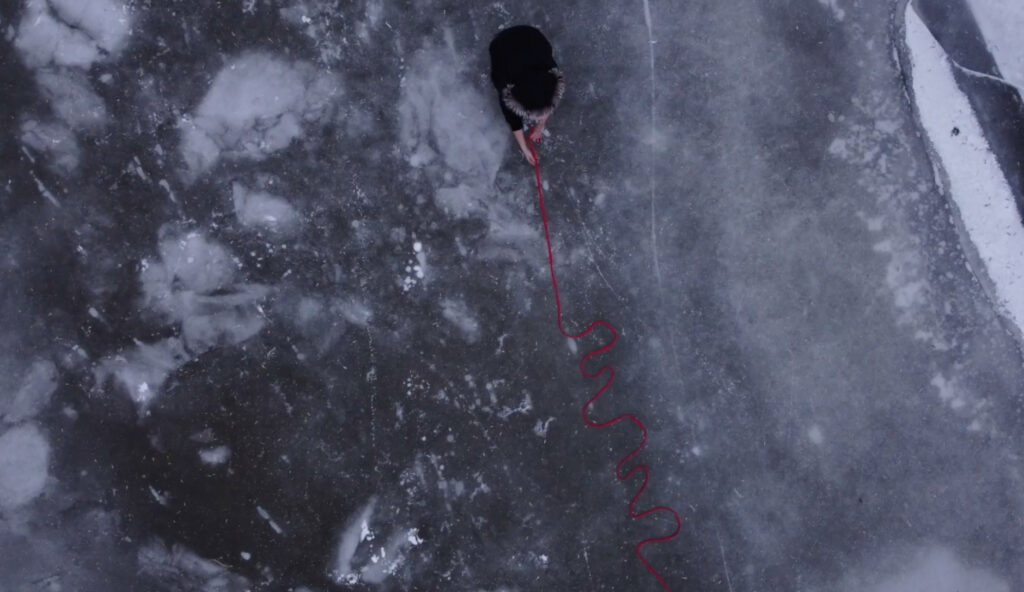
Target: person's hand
<point x="537" y="132"/>
<point x="529" y="157"/>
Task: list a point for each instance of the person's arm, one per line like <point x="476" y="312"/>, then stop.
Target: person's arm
<point x="523" y="147"/>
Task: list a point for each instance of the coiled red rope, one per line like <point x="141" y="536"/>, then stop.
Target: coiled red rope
<point x="611" y="376"/>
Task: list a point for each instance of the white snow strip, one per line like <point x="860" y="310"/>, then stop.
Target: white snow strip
<point x="1002" y="23"/>
<point x="976" y="184"/>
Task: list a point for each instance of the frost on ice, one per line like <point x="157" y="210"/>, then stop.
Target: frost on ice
<point x="24" y="465"/>
<point x="257" y="105"/>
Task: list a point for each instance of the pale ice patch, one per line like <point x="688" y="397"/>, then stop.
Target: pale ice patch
<point x="833" y="5"/>
<point x="33" y="394"/>
<point x="462" y="201"/>
<point x="72" y="98"/>
<point x="257" y="105"/>
<point x="458" y="314"/>
<point x="354" y="311"/>
<point x="983" y="199"/>
<point x="190" y="260"/>
<point x="179" y="564"/>
<point x="442" y="114"/>
<point x="930" y="569"/>
<point x="816" y="435"/>
<point x="55" y="140"/>
<point x="142" y="370"/>
<point x="1001" y="23"/>
<point x="194" y="284"/>
<point x="71" y="32"/>
<point x="24" y="465"/>
<point x="215" y="456"/>
<point x="259" y="209"/>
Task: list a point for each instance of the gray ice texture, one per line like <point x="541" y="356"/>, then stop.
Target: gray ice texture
<point x="276" y="314"/>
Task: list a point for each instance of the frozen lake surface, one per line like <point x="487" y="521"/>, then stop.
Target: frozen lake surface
<point x="276" y="313"/>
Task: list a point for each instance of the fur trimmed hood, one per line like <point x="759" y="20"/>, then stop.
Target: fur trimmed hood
<point x="535" y="114"/>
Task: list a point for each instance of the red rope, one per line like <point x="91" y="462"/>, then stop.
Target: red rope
<point x="611" y="376"/>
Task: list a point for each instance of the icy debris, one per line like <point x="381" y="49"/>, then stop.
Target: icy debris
<point x="184" y="570"/>
<point x="34" y="393"/>
<point x="458" y="314"/>
<point x="355" y="532"/>
<point x="257" y="105"/>
<point x="386" y="561"/>
<point x="72" y="98"/>
<point x="258" y="209"/>
<point x="541" y="427"/>
<point x="55" y="140"/>
<point x="266" y="516"/>
<point x="71" y="32"/>
<point x="983" y="199"/>
<point x="24" y="465"/>
<point x="215" y="456"/>
<point x="815" y="435"/>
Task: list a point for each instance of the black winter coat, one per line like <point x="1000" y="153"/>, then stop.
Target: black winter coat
<point x="516" y="52"/>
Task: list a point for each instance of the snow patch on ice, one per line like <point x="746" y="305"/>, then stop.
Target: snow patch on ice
<point x="71" y="32"/>
<point x="258" y="209"/>
<point x="977" y="187"/>
<point x="24" y="465"/>
<point x="258" y="104"/>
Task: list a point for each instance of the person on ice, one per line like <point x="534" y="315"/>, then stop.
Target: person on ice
<point x="528" y="81"/>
